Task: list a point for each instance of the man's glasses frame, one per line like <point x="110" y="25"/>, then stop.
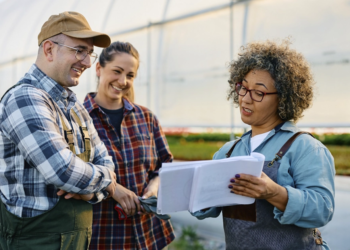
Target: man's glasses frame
<point x="80" y="54"/>
<point x="239" y="90"/>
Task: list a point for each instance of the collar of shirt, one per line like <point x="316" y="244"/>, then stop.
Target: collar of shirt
<point x="286" y="126"/>
<point x="91" y="105"/>
<point x="59" y="94"/>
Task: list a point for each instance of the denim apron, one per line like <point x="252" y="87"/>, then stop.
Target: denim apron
<point x="264" y="231"/>
<point x="66" y="226"/>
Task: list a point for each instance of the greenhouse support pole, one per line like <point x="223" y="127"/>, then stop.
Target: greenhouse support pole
<point x="245" y="23"/>
<point x="149" y="47"/>
<point x="232" y="135"/>
<point x="14" y="73"/>
<point x="159" y="68"/>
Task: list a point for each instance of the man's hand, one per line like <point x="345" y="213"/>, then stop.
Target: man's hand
<point x="85" y="197"/>
<point x="127" y="199"/>
<point x="112" y="187"/>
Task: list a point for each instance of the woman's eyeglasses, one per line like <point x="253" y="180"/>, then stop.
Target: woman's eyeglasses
<point x="256" y="95"/>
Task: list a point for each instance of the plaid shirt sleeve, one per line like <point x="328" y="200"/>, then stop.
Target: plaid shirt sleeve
<point x="29" y="120"/>
<point x="163" y="151"/>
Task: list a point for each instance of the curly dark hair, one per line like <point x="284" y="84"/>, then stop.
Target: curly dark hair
<point x="289" y="69"/>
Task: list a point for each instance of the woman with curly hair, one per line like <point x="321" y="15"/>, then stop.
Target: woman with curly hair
<point x="272" y="85"/>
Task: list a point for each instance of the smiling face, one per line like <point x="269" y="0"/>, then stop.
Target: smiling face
<point x="67" y="69"/>
<point x="115" y="80"/>
<point x="262" y="116"/>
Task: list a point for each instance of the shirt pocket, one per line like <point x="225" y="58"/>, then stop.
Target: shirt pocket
<point x="147" y="150"/>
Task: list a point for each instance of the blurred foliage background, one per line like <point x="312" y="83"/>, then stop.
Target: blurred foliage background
<point x="192" y="147"/>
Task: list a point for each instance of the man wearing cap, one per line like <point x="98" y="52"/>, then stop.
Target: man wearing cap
<point x="49" y="148"/>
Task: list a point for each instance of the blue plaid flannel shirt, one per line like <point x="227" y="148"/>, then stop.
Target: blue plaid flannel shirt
<point x="35" y="160"/>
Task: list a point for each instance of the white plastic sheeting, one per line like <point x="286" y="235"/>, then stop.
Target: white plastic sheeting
<point x="185" y="47"/>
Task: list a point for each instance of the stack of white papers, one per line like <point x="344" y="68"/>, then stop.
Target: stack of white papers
<point x="202" y="184"/>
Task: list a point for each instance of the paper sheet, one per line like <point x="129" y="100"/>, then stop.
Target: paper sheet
<point x="201" y="184"/>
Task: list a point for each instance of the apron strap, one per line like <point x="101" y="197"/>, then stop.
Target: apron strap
<point x="228" y="154"/>
<point x="286" y="146"/>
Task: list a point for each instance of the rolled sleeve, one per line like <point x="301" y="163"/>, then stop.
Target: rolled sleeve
<point x="99" y="196"/>
<point x="311" y="200"/>
<point x="162" y="148"/>
<point x="293" y="211"/>
<point x="103" y="177"/>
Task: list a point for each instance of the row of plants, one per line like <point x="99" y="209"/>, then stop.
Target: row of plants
<point x="207" y="137"/>
<point x="199" y="149"/>
<point x="327" y="139"/>
<point x="334" y="139"/>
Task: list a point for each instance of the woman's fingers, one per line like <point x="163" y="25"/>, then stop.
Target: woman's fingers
<point x="124" y="206"/>
<point x="132" y="207"/>
<point x="129" y="208"/>
<point x="251" y="186"/>
<point x="127" y="199"/>
<point x="137" y="203"/>
<point x="246" y="185"/>
<point x="132" y="204"/>
<point x="244" y="178"/>
<point x="241" y="190"/>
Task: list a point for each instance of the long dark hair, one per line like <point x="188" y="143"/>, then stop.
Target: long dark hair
<point x="107" y="55"/>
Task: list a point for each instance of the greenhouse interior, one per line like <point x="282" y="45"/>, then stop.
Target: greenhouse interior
<point x="185" y="48"/>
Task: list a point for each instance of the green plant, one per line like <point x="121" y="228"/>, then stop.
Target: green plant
<point x="203" y="137"/>
<point x="188" y="240"/>
<point x="331" y="139"/>
<point x="192" y="151"/>
<point x="327" y="139"/>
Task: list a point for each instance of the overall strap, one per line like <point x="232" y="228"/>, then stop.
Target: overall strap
<point x="84" y="133"/>
<point x="228" y="154"/>
<point x="286" y="146"/>
<point x="68" y="134"/>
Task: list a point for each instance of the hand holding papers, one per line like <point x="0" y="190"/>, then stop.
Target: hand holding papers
<point x="201" y="184"/>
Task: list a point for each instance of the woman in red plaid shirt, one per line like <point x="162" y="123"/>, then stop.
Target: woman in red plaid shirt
<point x="135" y="140"/>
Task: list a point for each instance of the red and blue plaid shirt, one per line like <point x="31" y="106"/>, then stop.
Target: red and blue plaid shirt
<point x="137" y="154"/>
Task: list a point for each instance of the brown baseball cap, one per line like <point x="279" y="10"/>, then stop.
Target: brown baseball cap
<point x="72" y="24"/>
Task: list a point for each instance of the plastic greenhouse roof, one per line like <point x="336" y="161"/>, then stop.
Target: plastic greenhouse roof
<point x="23" y="19"/>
